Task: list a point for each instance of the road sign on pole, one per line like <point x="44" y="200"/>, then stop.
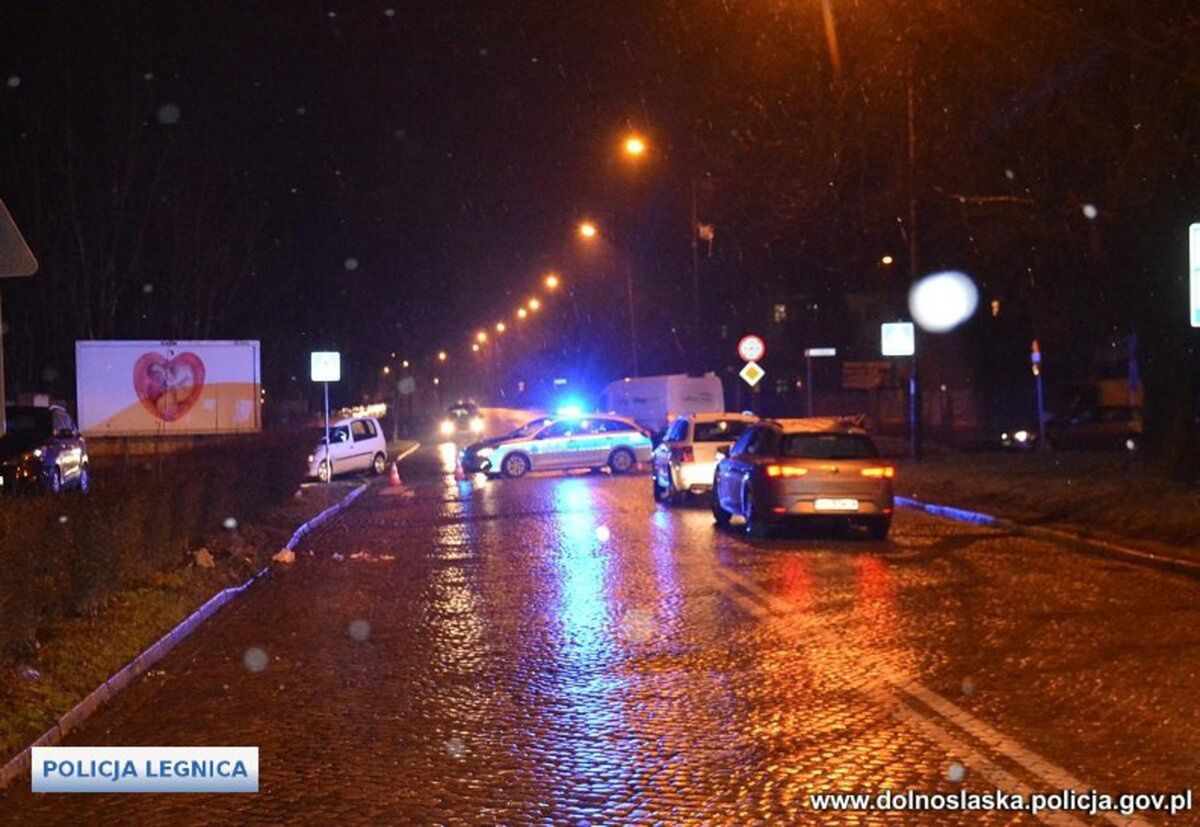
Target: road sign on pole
<point x="1194" y="272"/>
<point x="325" y="367"/>
<point x="752" y="348"/>
<point x="752" y="373"/>
<point x="897" y="339"/>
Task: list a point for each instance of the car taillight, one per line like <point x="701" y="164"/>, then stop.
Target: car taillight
<point x="686" y="454"/>
<point x="785" y="471"/>
<point x="885" y="472"/>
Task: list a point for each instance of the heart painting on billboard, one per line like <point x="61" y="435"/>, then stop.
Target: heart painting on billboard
<point x="168" y="388"/>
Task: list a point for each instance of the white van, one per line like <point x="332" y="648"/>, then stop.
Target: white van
<point x="654" y="401"/>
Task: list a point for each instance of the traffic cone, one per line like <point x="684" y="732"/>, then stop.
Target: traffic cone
<point x="395" y="479"/>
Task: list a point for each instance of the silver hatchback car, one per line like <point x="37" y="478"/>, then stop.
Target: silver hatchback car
<point x="574" y="442"/>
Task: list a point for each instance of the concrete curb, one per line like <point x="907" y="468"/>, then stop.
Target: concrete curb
<point x="19" y="764"/>
<point x="1089" y="545"/>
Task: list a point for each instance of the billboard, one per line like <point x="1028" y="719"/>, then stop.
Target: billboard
<point x="132" y="388"/>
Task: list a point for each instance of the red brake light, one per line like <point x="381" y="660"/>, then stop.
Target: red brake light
<point x="884" y="472"/>
<point x="686" y="454"/>
<point x="785" y="471"/>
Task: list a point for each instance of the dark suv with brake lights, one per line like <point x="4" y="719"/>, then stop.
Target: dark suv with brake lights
<point x="42" y="451"/>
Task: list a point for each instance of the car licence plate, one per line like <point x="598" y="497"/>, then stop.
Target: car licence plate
<point x="835" y="505"/>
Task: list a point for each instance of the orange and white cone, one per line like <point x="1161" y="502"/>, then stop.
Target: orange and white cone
<point x="395" y="478"/>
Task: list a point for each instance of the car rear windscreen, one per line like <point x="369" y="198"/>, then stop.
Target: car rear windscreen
<point x="828" y="446"/>
<point x="723" y="430"/>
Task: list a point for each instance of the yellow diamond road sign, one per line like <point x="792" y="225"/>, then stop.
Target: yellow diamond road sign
<point x="752" y="373"/>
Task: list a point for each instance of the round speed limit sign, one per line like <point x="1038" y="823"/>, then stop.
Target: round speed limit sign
<point x="751" y="348"/>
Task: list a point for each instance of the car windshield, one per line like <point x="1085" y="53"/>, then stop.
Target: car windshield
<point x="28" y="421"/>
<point x="529" y="428"/>
<point x="828" y="446"/>
<point x="722" y="430"/>
<point x="460" y="411"/>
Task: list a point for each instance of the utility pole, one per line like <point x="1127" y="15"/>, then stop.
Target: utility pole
<point x="633" y="347"/>
<point x="914" y="386"/>
<point x="696" y="264"/>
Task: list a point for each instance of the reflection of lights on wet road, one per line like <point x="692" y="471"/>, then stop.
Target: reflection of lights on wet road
<point x="448" y="456"/>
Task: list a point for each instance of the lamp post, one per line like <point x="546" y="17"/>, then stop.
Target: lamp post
<point x="588" y="231"/>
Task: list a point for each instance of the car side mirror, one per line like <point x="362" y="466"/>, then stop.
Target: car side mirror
<point x="723" y="452"/>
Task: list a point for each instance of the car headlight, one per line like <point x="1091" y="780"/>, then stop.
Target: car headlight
<point x="311" y="457"/>
<point x="476" y="425"/>
<point x="484" y="452"/>
<point x="447" y="427"/>
<point x="1021" y="436"/>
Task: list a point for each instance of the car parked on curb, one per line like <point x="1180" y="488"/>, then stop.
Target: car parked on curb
<point x="356" y="444"/>
<point x="789" y="469"/>
<point x="471" y="461"/>
<point x="587" y="441"/>
<point x="1106" y="427"/>
<point x="42" y="450"/>
<point x="683" y="463"/>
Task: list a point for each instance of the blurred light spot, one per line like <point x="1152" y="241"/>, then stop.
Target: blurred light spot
<point x="389" y="12"/>
<point x="1090" y="212"/>
<point x="637" y="626"/>
<point x="13" y="81"/>
<point x="255" y="659"/>
<point x="301" y="110"/>
<point x="350" y="263"/>
<point x="63" y="519"/>
<point x="602" y="533"/>
<point x="968" y="686"/>
<point x="1009" y="174"/>
<point x="942" y="301"/>
<point x="995" y="308"/>
<point x="360" y="630"/>
<point x="886" y="260"/>
<point x="956" y="772"/>
<point x="148" y="76"/>
<point x="455" y="748"/>
<point x="168" y="114"/>
<point x="230" y="523"/>
<point x="147" y="288"/>
<point x="49" y="374"/>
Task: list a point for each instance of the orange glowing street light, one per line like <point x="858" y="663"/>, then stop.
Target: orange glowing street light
<point x="588" y="230"/>
<point x="522" y="313"/>
<point x="441" y="355"/>
<point x="551" y="281"/>
<point x="481" y="336"/>
<point x="534" y="304"/>
<point x="474" y="347"/>
<point x="634" y="146"/>
<point x="501" y="327"/>
<point x="886" y="260"/>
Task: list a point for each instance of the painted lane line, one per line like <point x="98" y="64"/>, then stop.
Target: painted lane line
<point x="1045" y="771"/>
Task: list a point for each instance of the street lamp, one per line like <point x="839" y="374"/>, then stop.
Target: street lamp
<point x="522" y="312"/>
<point x="441" y="355"/>
<point x="589" y="232"/>
<point x="501" y="327"/>
<point x="475" y="347"/>
<point x="587" y="229"/>
<point x="481" y="336"/>
<point x="404" y="364"/>
<point x="886" y="260"/>
<point x="534" y="304"/>
<point x="551" y="281"/>
<point x="634" y="146"/>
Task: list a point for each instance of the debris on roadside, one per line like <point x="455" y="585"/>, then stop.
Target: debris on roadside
<point x="285" y="555"/>
<point x="204" y="558"/>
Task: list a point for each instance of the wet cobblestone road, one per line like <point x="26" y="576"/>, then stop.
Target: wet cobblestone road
<point x="561" y="649"/>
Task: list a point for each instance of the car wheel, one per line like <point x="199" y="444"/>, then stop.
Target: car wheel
<point x="621" y="461"/>
<point x="323" y="471"/>
<point x="378" y="464"/>
<point x="877" y="528"/>
<point x="515" y="465"/>
<point x="720" y="516"/>
<point x="756" y="526"/>
<point x="54" y="481"/>
<point x="85" y="479"/>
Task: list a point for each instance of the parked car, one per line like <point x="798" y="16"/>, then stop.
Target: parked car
<point x="42" y="451"/>
<point x="355" y="444"/>
<point x="1118" y="426"/>
<point x="590" y="441"/>
<point x="683" y="463"/>
<point x="653" y="402"/>
<point x="799" y="469"/>
<point x="462" y="418"/>
<point x="471" y="461"/>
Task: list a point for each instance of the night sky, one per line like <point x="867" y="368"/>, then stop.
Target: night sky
<point x="411" y="170"/>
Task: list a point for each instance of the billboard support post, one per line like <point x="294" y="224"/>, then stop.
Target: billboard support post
<point x="328" y="447"/>
<point x="325" y="367"/>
